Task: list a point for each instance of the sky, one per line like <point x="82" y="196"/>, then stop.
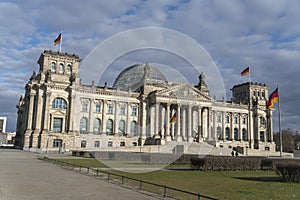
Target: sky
<point x="263" y="34"/>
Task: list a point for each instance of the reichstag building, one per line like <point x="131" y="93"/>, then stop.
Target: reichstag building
<point x="142" y="109"/>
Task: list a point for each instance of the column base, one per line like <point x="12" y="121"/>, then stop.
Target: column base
<point x="178" y="138"/>
<point x="27" y="139"/>
<point x="168" y="138"/>
<point x="156" y="136"/>
<point x="191" y="139"/>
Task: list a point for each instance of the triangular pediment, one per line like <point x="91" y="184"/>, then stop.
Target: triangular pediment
<point x="183" y="91"/>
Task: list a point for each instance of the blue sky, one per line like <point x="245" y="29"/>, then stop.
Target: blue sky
<point x="263" y="34"/>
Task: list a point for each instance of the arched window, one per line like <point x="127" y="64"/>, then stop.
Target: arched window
<point x="244" y="134"/>
<point x="121" y="127"/>
<point x="133" y="128"/>
<point x="227" y="133"/>
<point x="236" y="133"/>
<point x="69" y="68"/>
<point x="59" y="103"/>
<point x="109" y="127"/>
<point x="53" y="66"/>
<point x="219" y="131"/>
<point x="96" y="126"/>
<point x="262" y="121"/>
<point x="61" y="67"/>
<point x="83" y="125"/>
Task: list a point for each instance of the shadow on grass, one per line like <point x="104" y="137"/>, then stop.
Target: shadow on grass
<point x="261" y="178"/>
<point x="179" y="169"/>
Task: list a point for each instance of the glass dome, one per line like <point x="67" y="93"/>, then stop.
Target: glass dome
<point x="135" y="76"/>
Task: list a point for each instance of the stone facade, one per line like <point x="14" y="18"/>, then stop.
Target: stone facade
<point x="57" y="111"/>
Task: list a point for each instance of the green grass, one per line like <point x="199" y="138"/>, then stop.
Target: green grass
<point x="222" y="185"/>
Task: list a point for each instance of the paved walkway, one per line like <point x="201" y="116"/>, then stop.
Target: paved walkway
<point x="22" y="176"/>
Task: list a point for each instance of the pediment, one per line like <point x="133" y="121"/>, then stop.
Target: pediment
<point x="183" y="91"/>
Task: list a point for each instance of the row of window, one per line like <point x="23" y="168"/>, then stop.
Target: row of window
<point x="109" y="127"/>
<point x="227" y="119"/>
<point x="110" y="109"/>
<point x="59" y="143"/>
<point x="235" y="134"/>
<point x="61" y="67"/>
<point x="109" y="144"/>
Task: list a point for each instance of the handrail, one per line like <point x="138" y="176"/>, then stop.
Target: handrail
<point x="109" y="174"/>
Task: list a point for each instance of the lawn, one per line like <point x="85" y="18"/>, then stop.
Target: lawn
<point x="222" y="185"/>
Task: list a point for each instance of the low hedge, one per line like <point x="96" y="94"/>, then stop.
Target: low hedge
<point x="289" y="172"/>
<point x="220" y="163"/>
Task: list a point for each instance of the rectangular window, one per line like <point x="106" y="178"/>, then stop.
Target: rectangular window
<point x="57" y="143"/>
<point x="57" y="125"/>
<point x="244" y="120"/>
<point x="227" y="119"/>
<point x="262" y="136"/>
<point x="83" y="144"/>
<point x="134" y="111"/>
<point x="236" y="120"/>
<point x="219" y="119"/>
<point x="122" y="111"/>
<point x="97" y="144"/>
<point x="98" y="108"/>
<point x="110" y="144"/>
<point x="110" y="109"/>
<point x="84" y="107"/>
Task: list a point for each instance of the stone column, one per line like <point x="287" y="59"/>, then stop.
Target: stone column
<point x="200" y="136"/>
<point x="91" y="115"/>
<point x="183" y="124"/>
<point x="251" y="129"/>
<point x="215" y="137"/>
<point x="190" y="119"/>
<point x="223" y="126"/>
<point x="116" y="118"/>
<point x="71" y="113"/>
<point x="128" y="121"/>
<point x="231" y="126"/>
<point x="162" y="127"/>
<point x="270" y="124"/>
<point x="38" y="119"/>
<point x="152" y="120"/>
<point x="172" y="134"/>
<point x="143" y="114"/>
<point x="29" y="122"/>
<point x="178" y="134"/>
<point x="156" y="129"/>
<point x="204" y="123"/>
<point x="240" y="127"/>
<point x="46" y="116"/>
<point x="104" y="113"/>
<point x="167" y="130"/>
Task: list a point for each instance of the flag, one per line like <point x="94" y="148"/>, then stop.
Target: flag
<point x="274" y="97"/>
<point x="57" y="40"/>
<point x="246" y="71"/>
<point x="173" y="119"/>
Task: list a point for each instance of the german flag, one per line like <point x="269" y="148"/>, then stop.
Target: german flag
<point x="57" y="40"/>
<point x="273" y="98"/>
<point x="173" y="119"/>
<point x="245" y="71"/>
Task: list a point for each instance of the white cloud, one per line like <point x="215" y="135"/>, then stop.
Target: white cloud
<point x="264" y="34"/>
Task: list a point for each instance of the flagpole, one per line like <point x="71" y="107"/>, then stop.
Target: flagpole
<point x="279" y="124"/>
<point x="249" y="75"/>
<point x="61" y="40"/>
